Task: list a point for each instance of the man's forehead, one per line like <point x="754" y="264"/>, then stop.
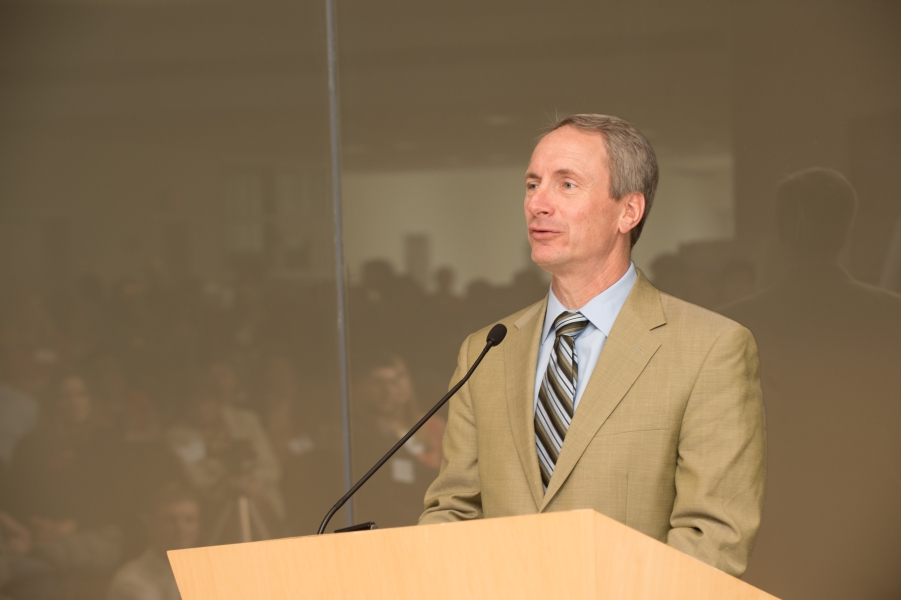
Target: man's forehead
<point x="568" y="151"/>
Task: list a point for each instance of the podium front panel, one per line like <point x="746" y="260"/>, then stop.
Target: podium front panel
<point x="572" y="555"/>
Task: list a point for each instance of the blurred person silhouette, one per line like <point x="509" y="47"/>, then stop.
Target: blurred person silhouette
<point x="528" y="285"/>
<point x="67" y="482"/>
<point x="378" y="280"/>
<point x="484" y="304"/>
<point x="286" y="415"/>
<point x="81" y="322"/>
<point x="128" y="408"/>
<point x="891" y="270"/>
<point x="18" y="416"/>
<point x="22" y="576"/>
<point x="445" y="304"/>
<point x="281" y="410"/>
<point x="738" y="279"/>
<point x="701" y="286"/>
<point x="385" y="408"/>
<point x="228" y="386"/>
<point x="445" y="278"/>
<point x="829" y="350"/>
<point x="171" y="522"/>
<point x="228" y="457"/>
<point x="34" y="349"/>
<point x="669" y="274"/>
<point x="131" y="322"/>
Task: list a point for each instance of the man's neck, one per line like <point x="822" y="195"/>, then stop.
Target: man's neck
<point x="575" y="289"/>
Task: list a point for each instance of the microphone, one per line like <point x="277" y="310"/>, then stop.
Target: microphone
<point x="495" y="337"/>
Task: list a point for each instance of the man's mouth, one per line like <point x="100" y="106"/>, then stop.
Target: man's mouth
<point x="542" y="233"/>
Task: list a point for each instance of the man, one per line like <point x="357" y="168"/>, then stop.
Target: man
<point x="829" y="348"/>
<point x="608" y="394"/>
<point x="173" y="523"/>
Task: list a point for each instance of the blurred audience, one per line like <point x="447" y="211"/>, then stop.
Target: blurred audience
<point x="226" y="455"/>
<point x="171" y="522"/>
<point x="106" y="393"/>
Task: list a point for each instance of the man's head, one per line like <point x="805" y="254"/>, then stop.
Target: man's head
<point x="814" y="210"/>
<point x="173" y="518"/>
<point x="589" y="188"/>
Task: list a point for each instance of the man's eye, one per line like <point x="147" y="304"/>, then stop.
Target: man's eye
<point x="531" y="185"/>
<point x="569" y="185"/>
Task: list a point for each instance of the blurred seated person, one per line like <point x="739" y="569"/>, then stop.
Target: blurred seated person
<point x="290" y="423"/>
<point x="385" y="409"/>
<point x="738" y="280"/>
<point x="171" y="523"/>
<point x="66" y="481"/>
<point x="226" y="455"/>
<point x="669" y="274"/>
<point x="22" y="576"/>
<point x="127" y="407"/>
<point x="281" y="411"/>
<point x="18" y="416"/>
<point x="34" y="350"/>
<point x="226" y="383"/>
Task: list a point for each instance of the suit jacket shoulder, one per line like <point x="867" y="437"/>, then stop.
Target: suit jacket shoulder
<point x="685" y="317"/>
<point x="475" y="342"/>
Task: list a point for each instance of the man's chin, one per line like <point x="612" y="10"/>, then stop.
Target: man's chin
<point x="546" y="260"/>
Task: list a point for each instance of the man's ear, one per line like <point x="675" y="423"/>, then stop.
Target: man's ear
<point x="633" y="206"/>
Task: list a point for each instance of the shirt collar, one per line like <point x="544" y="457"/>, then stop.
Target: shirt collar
<point x="601" y="311"/>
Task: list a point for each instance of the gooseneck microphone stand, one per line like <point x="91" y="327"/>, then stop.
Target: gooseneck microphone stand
<point x="495" y="337"/>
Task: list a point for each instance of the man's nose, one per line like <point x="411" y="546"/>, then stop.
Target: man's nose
<point x="539" y="204"/>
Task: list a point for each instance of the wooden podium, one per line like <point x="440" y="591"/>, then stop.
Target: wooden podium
<point x="569" y="555"/>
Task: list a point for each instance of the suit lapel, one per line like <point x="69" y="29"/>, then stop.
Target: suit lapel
<point x="520" y="358"/>
<point x="626" y="353"/>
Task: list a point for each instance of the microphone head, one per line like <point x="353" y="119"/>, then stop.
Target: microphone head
<point x="496" y="335"/>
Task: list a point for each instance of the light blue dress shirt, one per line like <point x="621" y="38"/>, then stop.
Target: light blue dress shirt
<point x="601" y="311"/>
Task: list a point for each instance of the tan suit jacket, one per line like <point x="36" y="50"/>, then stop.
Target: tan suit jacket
<point x="669" y="435"/>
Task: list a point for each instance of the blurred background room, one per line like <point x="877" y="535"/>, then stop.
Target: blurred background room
<point x="226" y="289"/>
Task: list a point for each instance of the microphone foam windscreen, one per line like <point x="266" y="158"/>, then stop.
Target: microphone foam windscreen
<point x="496" y="335"/>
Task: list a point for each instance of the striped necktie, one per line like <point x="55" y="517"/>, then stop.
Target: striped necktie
<point x="557" y="394"/>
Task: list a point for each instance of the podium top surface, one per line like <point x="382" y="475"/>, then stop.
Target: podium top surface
<point x="574" y="555"/>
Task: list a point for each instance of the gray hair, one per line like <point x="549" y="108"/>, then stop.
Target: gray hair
<point x="630" y="159"/>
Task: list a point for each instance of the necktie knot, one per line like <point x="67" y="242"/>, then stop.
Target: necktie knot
<point x="570" y="324"/>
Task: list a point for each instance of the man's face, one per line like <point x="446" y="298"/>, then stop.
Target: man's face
<point x="574" y="224"/>
<point x="175" y="526"/>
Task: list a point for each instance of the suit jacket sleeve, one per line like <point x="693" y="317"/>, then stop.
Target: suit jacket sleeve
<point x="721" y="462"/>
<point x="456" y="493"/>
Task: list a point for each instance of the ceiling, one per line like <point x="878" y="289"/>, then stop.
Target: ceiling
<point x="423" y="84"/>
